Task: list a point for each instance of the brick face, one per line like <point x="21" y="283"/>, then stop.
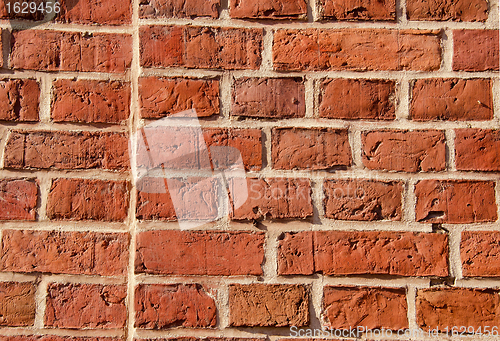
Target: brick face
<point x="475" y="50"/>
<point x="272" y="9"/>
<point x="105" y="12"/>
<point x="477" y="149"/>
<point x="18" y="199"/>
<point x="461" y="10"/>
<point x="19" y="100"/>
<point x="17" y="304"/>
<point x="479" y="251"/>
<point x="359" y="10"/>
<point x="178" y="8"/>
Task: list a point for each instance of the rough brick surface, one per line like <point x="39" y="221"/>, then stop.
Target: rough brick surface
<point x="261" y="305"/>
<point x="452" y="99"/>
<point x="94" y="306"/>
<point x="359" y="10"/>
<point x="356" y="50"/>
<point x="105" y="12"/>
<point x="372" y="308"/>
<point x="67" y="150"/>
<point x="461" y="10"/>
<point x="480" y="253"/>
<point x="475" y="50"/>
<point x="79" y="199"/>
<point x="365" y="200"/>
<point x="477" y="149"/>
<point x="179" y="8"/>
<point x="55" y="338"/>
<point x="17" y="304"/>
<point x="223" y="253"/>
<point x="310" y="148"/>
<point x="86" y="253"/>
<point x="18" y="199"/>
<point x="164" y="306"/>
<point x="19" y="100"/>
<point x="269" y="98"/>
<point x="455" y="201"/>
<point x="404" y="151"/>
<point x="272" y="9"/>
<point x="352" y="99"/>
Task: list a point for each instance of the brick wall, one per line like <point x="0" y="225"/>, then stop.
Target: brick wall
<point x="370" y="131"/>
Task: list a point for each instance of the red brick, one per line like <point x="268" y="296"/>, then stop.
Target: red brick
<point x="477" y="149"/>
<point x="105" y="12"/>
<point x="461" y="10"/>
<point x="449" y="307"/>
<point x="455" y="201"/>
<point x="275" y="198"/>
<point x="404" y="151"/>
<point x="344" y="253"/>
<point x="160" y="97"/>
<point x="475" y="50"/>
<point x="359" y="9"/>
<point x="18" y="199"/>
<point x="352" y="99"/>
<point x="163" y="306"/>
<point x="452" y="99"/>
<point x="66" y="150"/>
<point x="310" y="148"/>
<point x="356" y="50"/>
<point x="90" y="101"/>
<point x="179" y="8"/>
<point x="365" y="200"/>
<point x="201" y="47"/>
<point x="86" y="253"/>
<point x="70" y="51"/>
<point x="94" y="306"/>
<point x="19" y="99"/>
<point x="56" y="338"/>
<point x="368" y="307"/>
<point x="4" y="12"/>
<point x="17" y="304"/>
<point x="480" y="253"/>
<point x="269" y="97"/>
<point x="271" y="9"/>
<point x="81" y="199"/>
<point x="209" y="253"/>
<point x="266" y="305"/>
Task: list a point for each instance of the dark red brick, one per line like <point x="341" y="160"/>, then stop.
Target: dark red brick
<point x="179" y="8"/>
<point x="459" y="10"/>
<point x="359" y="9"/>
<point x="18" y="199"/>
<point x="19" y="100"/>
<point x="103" y="12"/>
<point x="477" y="150"/>
<point x="475" y="50"/>
<point x="480" y="253"/>
<point x="268" y="9"/>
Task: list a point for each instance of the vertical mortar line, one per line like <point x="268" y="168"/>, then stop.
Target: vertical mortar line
<point x="267" y="132"/>
<point x="226" y="83"/>
<point x="496" y="99"/>
<point x="493" y="21"/>
<point x="411" y="301"/>
<point x="45" y="97"/>
<point x="40" y="301"/>
<point x="267" y="50"/>
<point x="314" y="10"/>
<point x="447" y="45"/>
<point x="450" y="144"/>
<point x="317" y="301"/>
<point x="455" y="237"/>
<point x="223" y="304"/>
<point x="317" y="88"/>
<point x="318" y="196"/>
<point x="409" y="201"/>
<point x="401" y="17"/>
<point x="497" y="190"/>
<point x="45" y="182"/>
<point x="4" y="137"/>
<point x="309" y="97"/>
<point x="356" y="146"/>
<point x="403" y="98"/>
<point x="270" y="267"/>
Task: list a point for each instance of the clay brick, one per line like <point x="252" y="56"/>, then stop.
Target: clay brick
<point x="369" y="307"/>
<point x="160" y="97"/>
<point x="364" y="200"/>
<point x="461" y="10"/>
<point x="81" y="199"/>
<point x="17" y="304"/>
<point x="455" y="201"/>
<point x="19" y="99"/>
<point x="201" y="47"/>
<point x="164" y="306"/>
<point x="475" y="50"/>
<point x="67" y="150"/>
<point x="275" y="198"/>
<point x="45" y="50"/>
<point x="356" y="50"/>
<point x="179" y="8"/>
<point x="266" y="305"/>
<point x="94" y="306"/>
<point x="18" y="199"/>
<point x="353" y="99"/>
<point x="310" y="148"/>
<point x="269" y="98"/>
<point x="452" y="99"/>
<point x="268" y="9"/>
<point x="104" y="12"/>
<point x="90" y="101"/>
<point x="85" y="253"/>
<point x="344" y="253"/>
<point x="55" y="338"/>
<point x="480" y="253"/>
<point x="359" y="10"/>
<point x="448" y="307"/>
<point x="477" y="149"/>
<point x="404" y="151"/>
<point x="208" y="253"/>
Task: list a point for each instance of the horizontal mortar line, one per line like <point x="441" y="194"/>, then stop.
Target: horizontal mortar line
<point x="209" y="280"/>
<point x="90" y="174"/>
<point x="65" y="226"/>
<point x="486" y="283"/>
<point x="20" y="331"/>
<point x="197" y="333"/>
<point x="20" y="25"/>
<point x="213" y="226"/>
<point x="38" y="74"/>
<point x="18" y="277"/>
<point x="85" y="279"/>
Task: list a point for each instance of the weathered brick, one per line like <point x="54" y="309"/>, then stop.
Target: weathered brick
<point x="477" y="150"/>
<point x="209" y="253"/>
<point x="359" y="10"/>
<point x="94" y="306"/>
<point x="265" y="305"/>
<point x="18" y="199"/>
<point x="352" y="99"/>
<point x="269" y="97"/>
<point x="271" y="9"/>
<point x="86" y="253"/>
<point x="480" y="253"/>
<point x="82" y="199"/>
<point x="19" y="99"/>
<point x="455" y="201"/>
<point x="56" y="338"/>
<point x="358" y="199"/>
<point x="460" y="10"/>
<point x="90" y="101"/>
<point x="104" y="12"/>
<point x="159" y="306"/>
<point x="356" y="50"/>
<point x="17" y="304"/>
<point x="452" y="99"/>
<point x="475" y="50"/>
<point x="179" y="8"/>
<point x="310" y="148"/>
<point x="404" y="151"/>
